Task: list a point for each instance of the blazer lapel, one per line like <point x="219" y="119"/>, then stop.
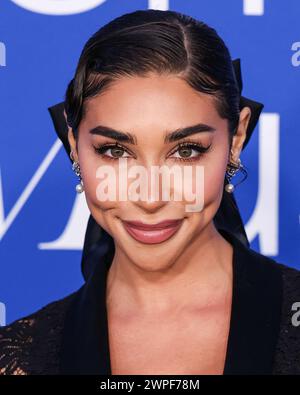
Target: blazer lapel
<point x="256" y="311"/>
<point x="254" y="326"/>
<point x="85" y="346"/>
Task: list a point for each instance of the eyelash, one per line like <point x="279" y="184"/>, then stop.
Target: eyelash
<point x="201" y="149"/>
<point x="104" y="147"/>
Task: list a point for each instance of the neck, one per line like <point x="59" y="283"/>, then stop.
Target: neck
<point x="198" y="277"/>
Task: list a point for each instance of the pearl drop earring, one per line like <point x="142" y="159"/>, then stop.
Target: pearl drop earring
<point x="232" y="169"/>
<point x="76" y="168"/>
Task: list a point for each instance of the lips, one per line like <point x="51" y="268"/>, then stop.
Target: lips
<point x="152" y="233"/>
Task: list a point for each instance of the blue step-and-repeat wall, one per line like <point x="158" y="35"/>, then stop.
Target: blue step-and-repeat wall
<point x="43" y="220"/>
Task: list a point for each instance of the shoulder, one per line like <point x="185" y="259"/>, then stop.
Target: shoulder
<point x="282" y="282"/>
<point x="290" y="298"/>
<point x="290" y="285"/>
<point x="280" y="286"/>
<point x="287" y="358"/>
<point x="30" y="345"/>
<point x="290" y="276"/>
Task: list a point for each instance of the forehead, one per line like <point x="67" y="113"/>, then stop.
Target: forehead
<point x="157" y="101"/>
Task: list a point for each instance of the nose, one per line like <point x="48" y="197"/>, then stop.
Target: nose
<point x="151" y="197"/>
<point x="150" y="205"/>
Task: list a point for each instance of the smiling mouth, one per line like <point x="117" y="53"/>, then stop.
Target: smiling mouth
<point x="152" y="234"/>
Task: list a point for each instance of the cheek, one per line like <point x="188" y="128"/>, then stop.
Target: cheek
<point x="212" y="182"/>
<point x="102" y="185"/>
<point x="214" y="173"/>
<point x="89" y="166"/>
<point x="213" y="179"/>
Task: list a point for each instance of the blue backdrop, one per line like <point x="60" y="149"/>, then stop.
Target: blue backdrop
<point x="42" y="220"/>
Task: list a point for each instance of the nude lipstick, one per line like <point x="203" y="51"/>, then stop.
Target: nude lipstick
<point x="152" y="233"/>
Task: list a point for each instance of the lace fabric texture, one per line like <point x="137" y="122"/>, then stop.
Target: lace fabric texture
<point x="287" y="356"/>
<point x="31" y="345"/>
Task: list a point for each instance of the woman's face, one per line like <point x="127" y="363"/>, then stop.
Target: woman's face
<point x="147" y="111"/>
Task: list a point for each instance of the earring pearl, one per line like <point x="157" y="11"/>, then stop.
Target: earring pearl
<point x="79" y="188"/>
<point x="229" y="188"/>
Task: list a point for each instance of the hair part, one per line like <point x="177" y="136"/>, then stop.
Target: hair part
<point x="163" y="42"/>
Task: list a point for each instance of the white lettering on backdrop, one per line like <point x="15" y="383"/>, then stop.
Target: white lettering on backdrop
<point x="69" y="7"/>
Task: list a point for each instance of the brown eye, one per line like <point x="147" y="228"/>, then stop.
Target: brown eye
<point x="190" y="151"/>
<point x="117" y="152"/>
<point x="185" y="152"/>
<point x="111" y="151"/>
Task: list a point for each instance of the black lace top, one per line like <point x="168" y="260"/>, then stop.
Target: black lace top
<point x="69" y="335"/>
<point x="31" y="344"/>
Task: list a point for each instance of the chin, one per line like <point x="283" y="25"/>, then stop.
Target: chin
<point x="152" y="264"/>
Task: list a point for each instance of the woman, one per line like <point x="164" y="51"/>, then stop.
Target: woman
<point x="167" y="290"/>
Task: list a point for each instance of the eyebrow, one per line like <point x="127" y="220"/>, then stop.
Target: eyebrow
<point x="126" y="137"/>
<point x="181" y="133"/>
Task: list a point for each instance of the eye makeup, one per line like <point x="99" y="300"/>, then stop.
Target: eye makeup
<point x="103" y="148"/>
<point x="185" y="146"/>
<point x="192" y="146"/>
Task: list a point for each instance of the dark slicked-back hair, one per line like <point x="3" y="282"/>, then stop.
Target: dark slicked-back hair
<point x="164" y="42"/>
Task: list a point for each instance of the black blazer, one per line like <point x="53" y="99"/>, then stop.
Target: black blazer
<point x="70" y="335"/>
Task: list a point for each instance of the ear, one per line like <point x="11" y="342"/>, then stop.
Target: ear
<point x="241" y="133"/>
<point x="72" y="140"/>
